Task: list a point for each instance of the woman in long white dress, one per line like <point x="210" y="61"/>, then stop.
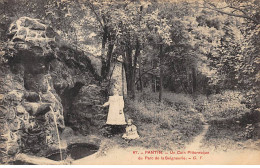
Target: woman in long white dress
<point x="115" y="117"/>
<point x="116" y="110"/>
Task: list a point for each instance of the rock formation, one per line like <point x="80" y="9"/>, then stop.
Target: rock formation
<point x="40" y="81"/>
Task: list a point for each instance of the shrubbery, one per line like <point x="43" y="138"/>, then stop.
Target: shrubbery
<point x="168" y="124"/>
<point x="231" y="122"/>
<point x="226" y="105"/>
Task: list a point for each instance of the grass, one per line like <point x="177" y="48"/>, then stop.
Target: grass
<point x="232" y="124"/>
<point x="174" y="122"/>
<point x="234" y="136"/>
<point x="224" y="106"/>
<point x="169" y="124"/>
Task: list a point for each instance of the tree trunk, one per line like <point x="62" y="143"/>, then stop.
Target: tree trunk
<point x="188" y="86"/>
<point x="106" y="60"/>
<point x="155" y="83"/>
<point x="194" y="80"/>
<point x="140" y="79"/>
<point x="137" y="53"/>
<point x="103" y="49"/>
<point x="161" y="74"/>
<point x="106" y="69"/>
<point x="128" y="69"/>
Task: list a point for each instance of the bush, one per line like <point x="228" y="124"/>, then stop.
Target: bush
<point x="226" y="105"/>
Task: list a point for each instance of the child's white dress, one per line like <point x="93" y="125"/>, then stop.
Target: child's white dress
<point x="131" y="132"/>
<point x="116" y="114"/>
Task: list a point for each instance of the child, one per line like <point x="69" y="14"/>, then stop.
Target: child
<point x="131" y="131"/>
<point x="115" y="113"/>
<point x="115" y="117"/>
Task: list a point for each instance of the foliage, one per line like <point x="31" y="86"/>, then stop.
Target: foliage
<point x="198" y="46"/>
<point x="165" y="123"/>
<point x="223" y="106"/>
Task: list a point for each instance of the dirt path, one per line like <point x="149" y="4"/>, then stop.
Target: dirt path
<point x="197" y="142"/>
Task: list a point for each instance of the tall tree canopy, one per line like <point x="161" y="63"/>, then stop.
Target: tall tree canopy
<point x="188" y="46"/>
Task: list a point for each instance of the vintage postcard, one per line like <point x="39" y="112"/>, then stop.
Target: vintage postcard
<point x="129" y="82"/>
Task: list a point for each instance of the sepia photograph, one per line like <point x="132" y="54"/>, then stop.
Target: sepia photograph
<point x="129" y="82"/>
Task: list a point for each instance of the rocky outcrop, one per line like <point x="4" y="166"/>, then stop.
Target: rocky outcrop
<point x="32" y="35"/>
<point x="70" y="72"/>
<point x="29" y="101"/>
<point x="86" y="117"/>
<point x="39" y="80"/>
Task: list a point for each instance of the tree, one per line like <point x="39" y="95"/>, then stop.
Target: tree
<point x="246" y="71"/>
<point x="248" y="10"/>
